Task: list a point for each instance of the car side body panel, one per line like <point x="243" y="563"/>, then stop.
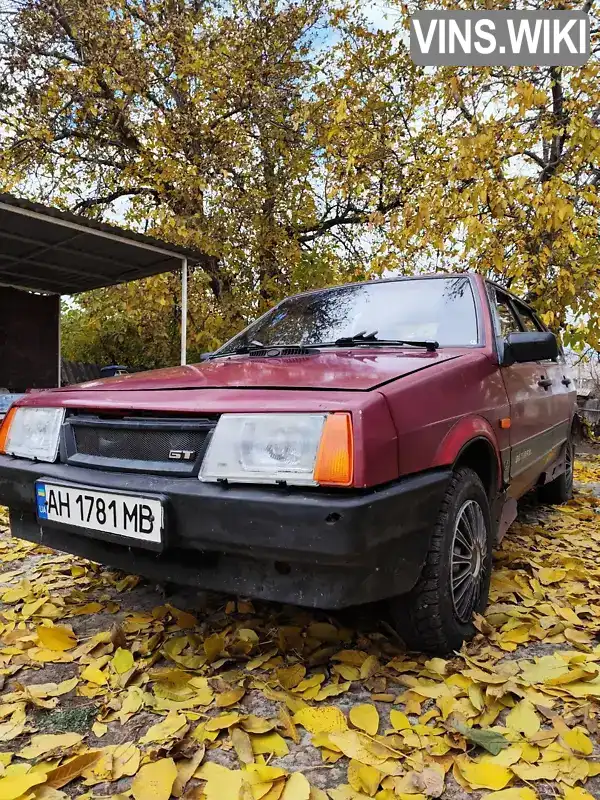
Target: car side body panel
<point x="469" y="398"/>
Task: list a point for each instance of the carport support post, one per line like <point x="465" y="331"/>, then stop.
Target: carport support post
<point x="59" y="343"/>
<point x="184" y="309"/>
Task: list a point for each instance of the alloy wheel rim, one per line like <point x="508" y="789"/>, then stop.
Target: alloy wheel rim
<point x="468" y="559"/>
<point x="569" y="462"/>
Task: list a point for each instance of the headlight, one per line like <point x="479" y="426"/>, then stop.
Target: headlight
<point x="301" y="449"/>
<point x="32" y="433"/>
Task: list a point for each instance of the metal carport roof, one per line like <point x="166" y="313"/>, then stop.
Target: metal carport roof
<point x="44" y="249"/>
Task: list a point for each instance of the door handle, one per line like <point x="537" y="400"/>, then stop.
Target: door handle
<point x="566" y="381"/>
<point x="546" y="383"/>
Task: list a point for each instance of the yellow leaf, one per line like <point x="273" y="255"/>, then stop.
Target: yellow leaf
<point x="533" y="772"/>
<point x="14" y="786"/>
<point x="287" y="724"/>
<point x="359" y="747"/>
<point x="64" y="687"/>
<point x="213" y="646"/>
<point x="42" y="792"/>
<point x="63" y="774"/>
<point x="578" y="741"/>
<point x="155" y="781"/>
<point x="544" y="669"/>
<point x="296" y="788"/>
<point x="331" y="690"/>
<point x="122" y="661"/>
<point x="506" y="757"/>
<point x="576" y="793"/>
<point x="56" y="637"/>
<point x="183" y="618"/>
<point x="125" y="760"/>
<point x="242" y="745"/>
<point x="365" y="717"/>
<point x="345" y="792"/>
<point x="223" y="721"/>
<point x="269" y="743"/>
<point x="548" y="575"/>
<point x="516" y="793"/>
<point x="172" y="726"/>
<point x="44" y="743"/>
<point x="230" y="698"/>
<point x="254" y="724"/>
<point x="347" y="671"/>
<point x="364" y="778"/>
<point x="133" y="700"/>
<point x="94" y="675"/>
<point x="221" y="782"/>
<point x="369" y="667"/>
<point x="400" y="721"/>
<point x="185" y="770"/>
<point x="261" y="773"/>
<point x="483" y="776"/>
<point x="99" y="729"/>
<point x="14" y="727"/>
<point x="327" y="719"/>
<point x="524" y="719"/>
<point x="289" y="677"/>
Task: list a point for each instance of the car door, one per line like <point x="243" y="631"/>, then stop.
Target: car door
<point x="537" y="412"/>
<point x="561" y="390"/>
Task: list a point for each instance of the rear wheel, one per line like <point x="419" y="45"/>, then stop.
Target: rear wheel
<point x="560" y="490"/>
<point x="436" y="616"/>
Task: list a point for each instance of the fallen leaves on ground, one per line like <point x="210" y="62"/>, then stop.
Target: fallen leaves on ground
<point x="218" y="705"/>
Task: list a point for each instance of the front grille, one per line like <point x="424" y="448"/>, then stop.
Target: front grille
<point x="137" y="444"/>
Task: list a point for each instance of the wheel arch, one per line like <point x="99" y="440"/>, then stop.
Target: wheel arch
<point x="472" y="443"/>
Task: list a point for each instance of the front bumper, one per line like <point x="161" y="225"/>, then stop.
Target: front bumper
<point x="326" y="549"/>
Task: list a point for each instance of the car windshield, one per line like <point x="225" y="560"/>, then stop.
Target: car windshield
<point x="440" y="309"/>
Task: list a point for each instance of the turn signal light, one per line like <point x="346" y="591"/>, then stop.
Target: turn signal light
<point x="6" y="423"/>
<point x="335" y="457"/>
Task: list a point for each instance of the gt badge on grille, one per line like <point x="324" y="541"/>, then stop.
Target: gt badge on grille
<point x="182" y="455"/>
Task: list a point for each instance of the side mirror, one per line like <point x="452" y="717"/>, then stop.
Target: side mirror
<point x="529" y="346"/>
<point x="205" y="356"/>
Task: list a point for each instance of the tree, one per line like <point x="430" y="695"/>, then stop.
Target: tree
<point x="517" y="189"/>
<point x="220" y="127"/>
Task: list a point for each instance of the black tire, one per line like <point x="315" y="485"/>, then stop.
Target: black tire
<point x="560" y="490"/>
<point x="433" y="617"/>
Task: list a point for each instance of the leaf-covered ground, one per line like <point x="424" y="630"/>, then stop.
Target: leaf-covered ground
<point x="110" y="688"/>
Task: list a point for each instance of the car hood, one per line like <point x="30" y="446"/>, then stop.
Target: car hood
<point x="350" y="370"/>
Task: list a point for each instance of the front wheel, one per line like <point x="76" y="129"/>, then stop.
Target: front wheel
<point x="436" y="616"/>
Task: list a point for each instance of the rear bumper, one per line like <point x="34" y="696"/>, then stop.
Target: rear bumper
<point x="315" y="548"/>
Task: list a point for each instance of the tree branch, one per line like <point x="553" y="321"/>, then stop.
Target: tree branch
<point x="84" y="205"/>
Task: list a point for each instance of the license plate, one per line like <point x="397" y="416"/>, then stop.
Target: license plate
<point x="121" y="515"/>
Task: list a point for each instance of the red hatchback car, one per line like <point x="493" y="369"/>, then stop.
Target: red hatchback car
<point x="356" y="443"/>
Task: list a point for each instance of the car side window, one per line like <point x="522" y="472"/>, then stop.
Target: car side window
<point x="507" y="320"/>
<point x="527" y="319"/>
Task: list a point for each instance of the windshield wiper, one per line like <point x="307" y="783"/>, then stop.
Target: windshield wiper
<point x="362" y="337"/>
<point x="241" y="350"/>
<point x="371" y="339"/>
